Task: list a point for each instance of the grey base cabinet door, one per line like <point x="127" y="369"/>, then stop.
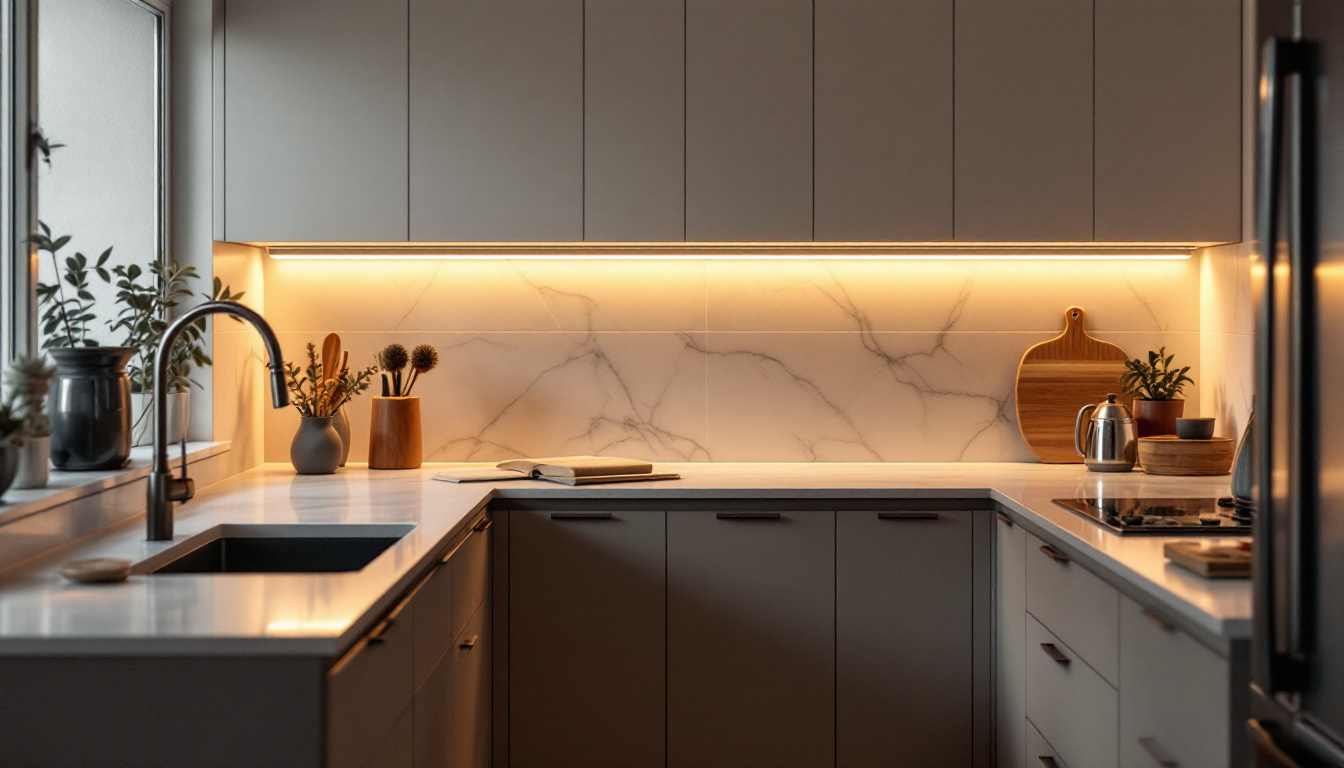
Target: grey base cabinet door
<point x="903" y="639"/>
<point x="1010" y="646"/>
<point x="750" y="640"/>
<point x="315" y="120"/>
<point x="470" y="706"/>
<point x="587" y="639"/>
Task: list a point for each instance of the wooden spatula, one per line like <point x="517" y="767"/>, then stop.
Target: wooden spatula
<point x="331" y="356"/>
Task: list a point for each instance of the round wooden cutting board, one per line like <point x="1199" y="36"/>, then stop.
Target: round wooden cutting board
<point x="1060" y="376"/>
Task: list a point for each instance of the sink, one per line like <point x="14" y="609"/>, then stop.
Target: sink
<point x="276" y="549"/>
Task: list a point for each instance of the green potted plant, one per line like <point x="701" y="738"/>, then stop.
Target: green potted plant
<point x="27" y="381"/>
<point x="317" y="447"/>
<point x="91" y="408"/>
<point x="144" y="316"/>
<point x="1155" y="387"/>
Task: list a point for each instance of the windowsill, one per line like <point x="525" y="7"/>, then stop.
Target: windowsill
<point x="65" y="487"/>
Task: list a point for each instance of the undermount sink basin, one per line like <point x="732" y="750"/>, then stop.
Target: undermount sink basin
<point x="276" y="549"/>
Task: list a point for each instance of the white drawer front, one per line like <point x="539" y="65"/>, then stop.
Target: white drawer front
<point x="1069" y="703"/>
<point x="1077" y="606"/>
<point x="1174" y="696"/>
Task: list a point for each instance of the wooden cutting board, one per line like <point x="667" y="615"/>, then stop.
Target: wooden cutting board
<point x="1056" y="378"/>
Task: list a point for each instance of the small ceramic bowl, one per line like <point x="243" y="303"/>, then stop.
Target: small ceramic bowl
<point x="1194" y="429"/>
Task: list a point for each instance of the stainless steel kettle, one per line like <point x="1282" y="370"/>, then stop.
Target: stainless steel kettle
<point x="1110" y="441"/>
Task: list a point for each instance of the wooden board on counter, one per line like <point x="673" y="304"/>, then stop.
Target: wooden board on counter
<point x="1058" y="377"/>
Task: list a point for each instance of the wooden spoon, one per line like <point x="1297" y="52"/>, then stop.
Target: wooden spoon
<point x="331" y="356"/>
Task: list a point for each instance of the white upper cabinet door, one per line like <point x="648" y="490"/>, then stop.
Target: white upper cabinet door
<point x="1168" y="120"/>
<point x="315" y="120"/>
<point x="884" y="120"/>
<point x="496" y="126"/>
<point x="634" y="121"/>
<point x="749" y="120"/>
<point x="1023" y="120"/>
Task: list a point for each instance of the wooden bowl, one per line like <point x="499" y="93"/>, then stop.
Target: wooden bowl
<point x="1170" y="455"/>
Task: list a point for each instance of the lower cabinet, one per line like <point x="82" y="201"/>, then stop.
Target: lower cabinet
<point x="750" y="639"/>
<point x="587" y="639"/>
<point x="408" y="695"/>
<point x="1012" y="744"/>
<point x="904" y="639"/>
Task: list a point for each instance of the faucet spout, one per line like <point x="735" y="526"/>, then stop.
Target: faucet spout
<point x="164" y="489"/>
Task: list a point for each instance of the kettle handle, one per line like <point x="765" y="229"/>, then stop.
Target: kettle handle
<point x="1078" y="429"/>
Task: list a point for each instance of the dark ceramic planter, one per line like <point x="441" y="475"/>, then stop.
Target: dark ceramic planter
<point x="9" y="464"/>
<point x="90" y="407"/>
<point x="1157" y="417"/>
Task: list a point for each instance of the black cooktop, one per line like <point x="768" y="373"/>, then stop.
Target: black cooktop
<point x="1162" y="517"/>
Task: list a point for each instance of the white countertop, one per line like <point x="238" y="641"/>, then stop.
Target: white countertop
<point x="322" y="614"/>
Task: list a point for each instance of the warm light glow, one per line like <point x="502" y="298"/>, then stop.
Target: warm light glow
<point x="731" y="252"/>
<point x="303" y="627"/>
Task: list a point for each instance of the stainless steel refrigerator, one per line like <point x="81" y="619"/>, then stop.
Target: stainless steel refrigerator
<point x="1297" y="689"/>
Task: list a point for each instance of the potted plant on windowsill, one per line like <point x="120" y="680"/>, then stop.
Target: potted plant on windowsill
<point x="27" y="381"/>
<point x="1155" y="387"/>
<point x="145" y="312"/>
<point x="91" y="408"/>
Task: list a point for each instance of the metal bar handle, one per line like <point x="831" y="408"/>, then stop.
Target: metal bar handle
<point x="469" y="643"/>
<point x="1054" y="653"/>
<point x="748" y="515"/>
<point x="1161" y="623"/>
<point x="1158" y="754"/>
<point x="1002" y="518"/>
<point x="1054" y="554"/>
<point x="907" y="515"/>
<point x="1048" y="762"/>
<point x="581" y="516"/>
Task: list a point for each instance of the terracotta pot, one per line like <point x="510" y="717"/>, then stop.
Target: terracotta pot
<point x="394" y="433"/>
<point x="1157" y="417"/>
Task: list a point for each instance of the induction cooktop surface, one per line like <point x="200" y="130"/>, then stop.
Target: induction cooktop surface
<point x="1162" y="516"/>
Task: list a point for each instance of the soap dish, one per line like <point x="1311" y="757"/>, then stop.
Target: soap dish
<point x="97" y="570"/>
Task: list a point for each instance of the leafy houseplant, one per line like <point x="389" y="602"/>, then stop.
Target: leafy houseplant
<point x="317" y="447"/>
<point x="145" y="307"/>
<point x="23" y="417"/>
<point x="1155" y="386"/>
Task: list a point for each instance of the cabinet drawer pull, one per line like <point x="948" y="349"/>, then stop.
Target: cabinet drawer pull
<point x="379" y="633"/>
<point x="1161" y="623"/>
<point x="580" y="515"/>
<point x="1054" y="653"/>
<point x="1008" y="521"/>
<point x="1158" y="754"/>
<point x="907" y="515"/>
<point x="484" y="525"/>
<point x="1048" y="761"/>
<point x="469" y="644"/>
<point x="1054" y="554"/>
<point x="748" y="515"/>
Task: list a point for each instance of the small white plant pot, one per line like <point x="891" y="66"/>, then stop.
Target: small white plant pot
<point x="34" y="462"/>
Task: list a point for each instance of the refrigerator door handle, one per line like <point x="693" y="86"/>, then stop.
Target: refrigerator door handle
<point x="1278" y="634"/>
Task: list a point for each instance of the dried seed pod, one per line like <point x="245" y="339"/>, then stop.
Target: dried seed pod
<point x="394" y="358"/>
<point x="424" y="358"/>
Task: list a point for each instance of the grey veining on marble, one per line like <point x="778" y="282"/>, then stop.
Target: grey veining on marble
<point x="725" y="361"/>
<point x="321" y="614"/>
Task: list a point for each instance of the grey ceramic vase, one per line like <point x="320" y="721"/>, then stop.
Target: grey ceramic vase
<point x="342" y="424"/>
<point x="316" y="449"/>
<point x="9" y="464"/>
<point x="90" y="408"/>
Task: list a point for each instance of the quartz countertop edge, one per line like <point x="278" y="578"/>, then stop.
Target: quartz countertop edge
<point x="325" y="614"/>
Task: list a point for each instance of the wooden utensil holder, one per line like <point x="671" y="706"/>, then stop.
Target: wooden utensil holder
<point x="394" y="433"/>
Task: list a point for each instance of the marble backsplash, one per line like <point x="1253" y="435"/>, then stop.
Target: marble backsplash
<point x="722" y="360"/>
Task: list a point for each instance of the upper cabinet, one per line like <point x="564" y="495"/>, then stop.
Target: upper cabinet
<point x="883" y="154"/>
<point x="749" y="120"/>
<point x="496" y="120"/>
<point x="1024" y="120"/>
<point x="315" y="120"/>
<point x="1168" y="95"/>
<point x="784" y="121"/>
<point x="634" y="121"/>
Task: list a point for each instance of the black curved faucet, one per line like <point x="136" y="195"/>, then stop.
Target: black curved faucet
<point x="164" y="489"/>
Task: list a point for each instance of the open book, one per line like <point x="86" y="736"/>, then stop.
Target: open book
<point x="571" y="470"/>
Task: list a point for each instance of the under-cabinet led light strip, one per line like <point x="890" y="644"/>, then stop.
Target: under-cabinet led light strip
<point x="726" y="252"/>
